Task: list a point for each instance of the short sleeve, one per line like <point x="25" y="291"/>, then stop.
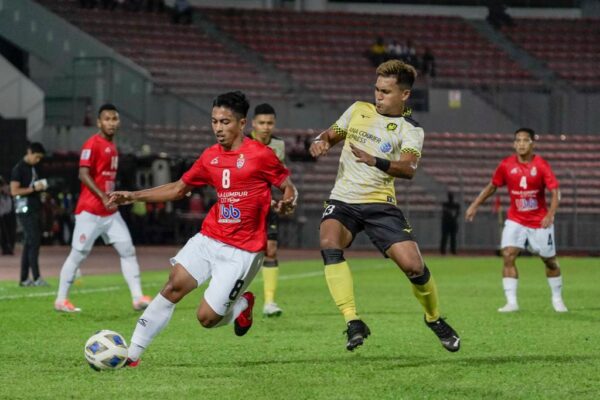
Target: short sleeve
<point x="197" y="175"/>
<point x="273" y="171"/>
<point x="499" y="177"/>
<point x="341" y="125"/>
<point x="413" y="141"/>
<point x="86" y="157"/>
<point x="15" y="174"/>
<point x="549" y="178"/>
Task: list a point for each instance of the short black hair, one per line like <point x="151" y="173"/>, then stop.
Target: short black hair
<point x="36" y="147"/>
<point x="264" y="108"/>
<point x="106" y="107"/>
<point x="529" y="131"/>
<point x="235" y="101"/>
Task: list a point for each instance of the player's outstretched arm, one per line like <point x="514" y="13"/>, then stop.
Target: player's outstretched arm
<point x="322" y="143"/>
<point x="404" y="168"/>
<point x="487" y="191"/>
<point x="169" y="192"/>
<point x="287" y="205"/>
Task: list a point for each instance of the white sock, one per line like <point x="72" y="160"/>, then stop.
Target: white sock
<point x="510" y="289"/>
<point x="130" y="268"/>
<point x="150" y="324"/>
<point x="240" y="305"/>
<point x="556" y="286"/>
<point x="67" y="273"/>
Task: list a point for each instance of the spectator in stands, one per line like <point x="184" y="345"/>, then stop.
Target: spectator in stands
<point x="182" y="12"/>
<point x="428" y="63"/>
<point x="450" y="212"/>
<point x="7" y="219"/>
<point x="377" y="52"/>
<point x="394" y="50"/>
<point x="497" y="15"/>
<point x="25" y="187"/>
<point x="409" y="54"/>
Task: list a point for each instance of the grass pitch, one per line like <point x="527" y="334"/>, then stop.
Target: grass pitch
<point x="535" y="353"/>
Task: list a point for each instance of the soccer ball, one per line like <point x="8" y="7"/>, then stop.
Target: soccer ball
<point x="105" y="350"/>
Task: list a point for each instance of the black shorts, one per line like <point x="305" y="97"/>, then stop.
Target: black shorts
<point x="272" y="225"/>
<point x="383" y="223"/>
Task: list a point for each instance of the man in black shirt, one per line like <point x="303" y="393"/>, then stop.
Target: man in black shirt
<point x="450" y="212"/>
<point x="25" y="185"/>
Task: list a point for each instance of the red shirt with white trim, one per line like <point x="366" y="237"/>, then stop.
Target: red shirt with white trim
<point x="102" y="159"/>
<point x="527" y="184"/>
<point x="243" y="180"/>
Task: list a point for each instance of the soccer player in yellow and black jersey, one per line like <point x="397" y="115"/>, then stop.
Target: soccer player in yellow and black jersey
<point x="382" y="142"/>
<point x="263" y="124"/>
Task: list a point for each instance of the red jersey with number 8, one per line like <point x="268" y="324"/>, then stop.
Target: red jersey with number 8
<point x="243" y="180"/>
<point x="102" y="159"/>
<point x="527" y="184"/>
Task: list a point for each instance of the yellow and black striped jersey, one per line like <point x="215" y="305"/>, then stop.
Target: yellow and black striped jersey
<point x="380" y="136"/>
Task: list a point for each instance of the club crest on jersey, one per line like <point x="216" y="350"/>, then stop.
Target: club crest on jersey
<point x="391" y="126"/>
<point x="385" y="147"/>
<point x="240" y="161"/>
<point x="533" y="171"/>
<point x="82" y="238"/>
<point x="214" y="161"/>
<point x="107" y="150"/>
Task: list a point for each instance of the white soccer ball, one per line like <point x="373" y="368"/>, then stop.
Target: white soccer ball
<point x="105" y="350"/>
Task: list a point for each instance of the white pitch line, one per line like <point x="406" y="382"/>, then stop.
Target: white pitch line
<point x="115" y="288"/>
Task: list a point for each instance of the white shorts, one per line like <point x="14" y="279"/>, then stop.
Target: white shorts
<point x="88" y="227"/>
<point x="540" y="240"/>
<point x="232" y="269"/>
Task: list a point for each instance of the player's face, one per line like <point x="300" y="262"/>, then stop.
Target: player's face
<point x="389" y="97"/>
<point x="109" y="122"/>
<point x="227" y="127"/>
<point x="523" y="144"/>
<point x="263" y="125"/>
<point x="34" y="158"/>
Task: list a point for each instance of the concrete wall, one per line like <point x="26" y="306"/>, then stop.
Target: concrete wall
<point x="21" y="98"/>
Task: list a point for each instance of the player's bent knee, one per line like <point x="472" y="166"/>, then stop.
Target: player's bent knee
<point x="332" y="256"/>
<point x="78" y="256"/>
<point x="208" y="320"/>
<point x="125" y="249"/>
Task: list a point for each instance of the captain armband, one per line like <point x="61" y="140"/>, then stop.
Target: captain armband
<point x="382" y="164"/>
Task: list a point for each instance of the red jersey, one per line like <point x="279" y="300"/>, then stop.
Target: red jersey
<point x="242" y="179"/>
<point x="527" y="183"/>
<point x="102" y="158"/>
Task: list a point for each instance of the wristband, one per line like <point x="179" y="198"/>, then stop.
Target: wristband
<point x="382" y="164"/>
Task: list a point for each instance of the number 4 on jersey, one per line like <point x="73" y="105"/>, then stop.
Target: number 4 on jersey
<point x="523" y="183"/>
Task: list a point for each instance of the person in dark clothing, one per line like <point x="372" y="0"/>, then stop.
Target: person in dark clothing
<point x="7" y="219"/>
<point x="25" y="187"/>
<point x="450" y="212"/>
<point x="497" y="15"/>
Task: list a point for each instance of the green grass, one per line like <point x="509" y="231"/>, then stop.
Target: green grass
<point x="535" y="353"/>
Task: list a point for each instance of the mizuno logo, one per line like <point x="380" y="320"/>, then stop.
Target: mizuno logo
<point x="365" y="116"/>
<point x="407" y="230"/>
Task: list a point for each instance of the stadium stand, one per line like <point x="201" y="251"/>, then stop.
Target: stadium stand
<point x="569" y="47"/>
<point x="180" y="57"/>
<point x="324" y="51"/>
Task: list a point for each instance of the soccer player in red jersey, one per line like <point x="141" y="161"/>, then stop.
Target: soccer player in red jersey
<point x="527" y="176"/>
<point x="230" y="246"/>
<point x="94" y="217"/>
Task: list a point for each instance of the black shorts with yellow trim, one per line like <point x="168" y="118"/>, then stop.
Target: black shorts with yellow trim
<point x="383" y="223"/>
<point x="272" y="226"/>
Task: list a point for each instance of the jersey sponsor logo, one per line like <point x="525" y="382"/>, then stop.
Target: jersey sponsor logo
<point x="526" y="204"/>
<point x="86" y="154"/>
<point x="228" y="214"/>
<point x="385" y="147"/>
<point x="391" y="126"/>
<point x="240" y="161"/>
<point x="533" y="171"/>
<point x="214" y="161"/>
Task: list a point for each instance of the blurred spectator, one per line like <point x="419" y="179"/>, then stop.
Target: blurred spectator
<point x="497" y="15"/>
<point x="8" y="224"/>
<point x="394" y="50"/>
<point x="450" y="212"/>
<point x="182" y="12"/>
<point x="377" y="52"/>
<point x="428" y="63"/>
<point x="409" y="54"/>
